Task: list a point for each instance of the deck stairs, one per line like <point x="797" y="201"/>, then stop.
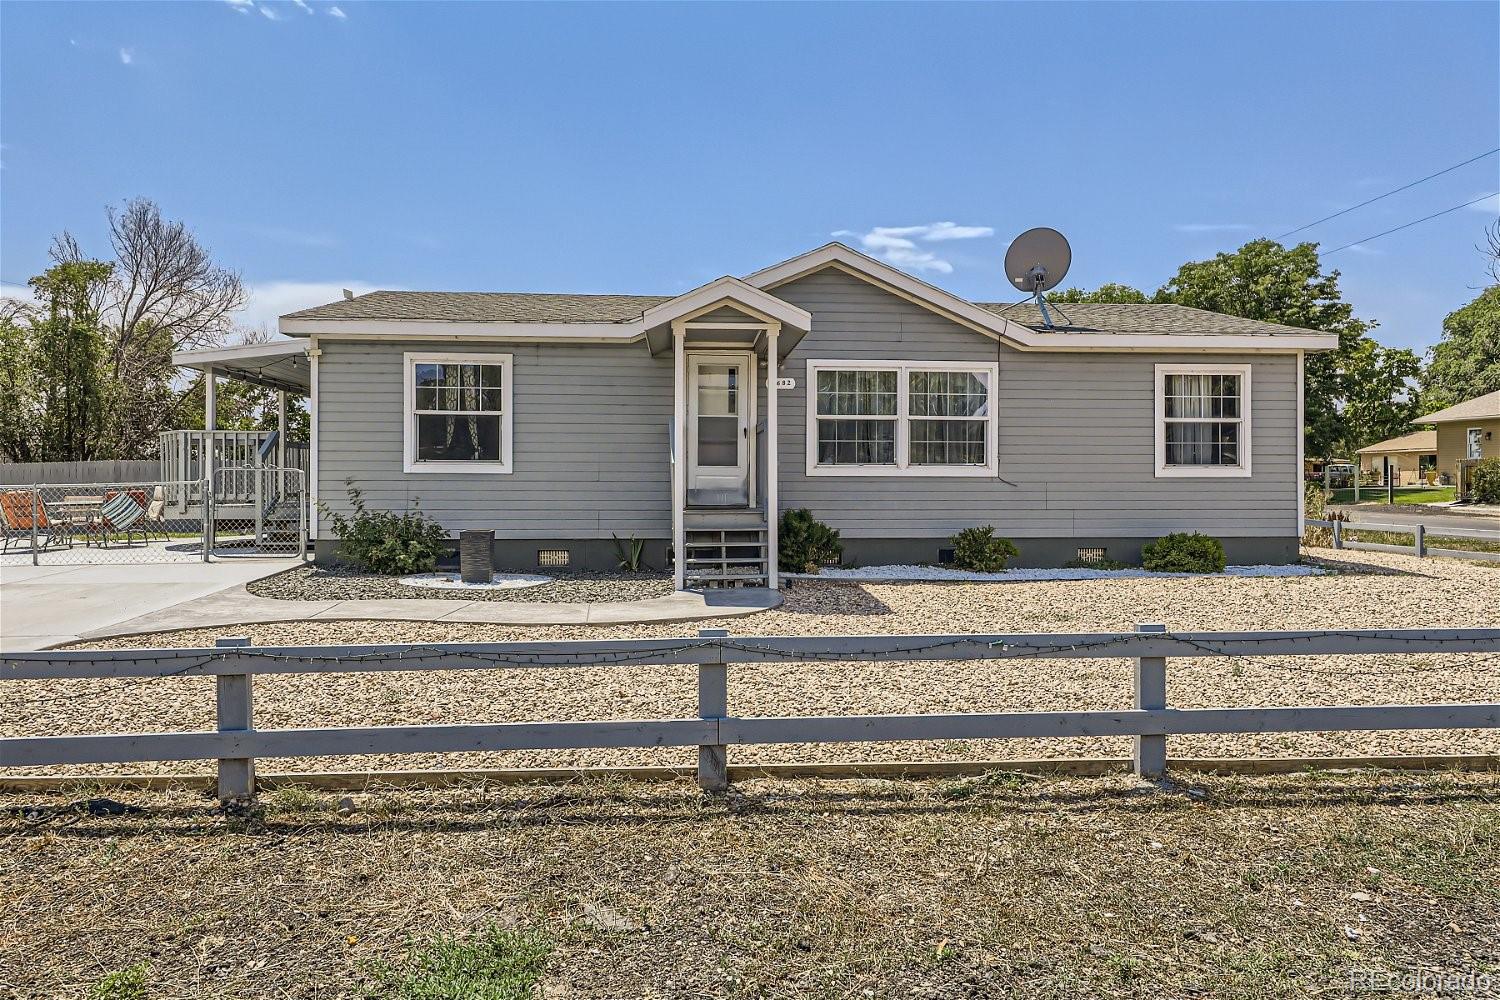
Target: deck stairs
<point x="725" y="548"/>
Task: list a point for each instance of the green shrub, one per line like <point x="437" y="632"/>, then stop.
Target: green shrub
<point x="805" y="543"/>
<point x="630" y="556"/>
<point x="1484" y="481"/>
<point x="128" y="983"/>
<point x="387" y="543"/>
<point x="1315" y="508"/>
<point x="978" y="550"/>
<point x="1184" y="552"/>
<point x="490" y="964"/>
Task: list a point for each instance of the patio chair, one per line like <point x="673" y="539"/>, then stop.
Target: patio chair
<point x="121" y="514"/>
<point x="154" y="523"/>
<point x="17" y="509"/>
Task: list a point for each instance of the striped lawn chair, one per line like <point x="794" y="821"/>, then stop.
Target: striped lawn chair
<point x="121" y="514"/>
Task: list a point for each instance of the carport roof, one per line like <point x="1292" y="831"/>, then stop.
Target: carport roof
<point x="277" y="364"/>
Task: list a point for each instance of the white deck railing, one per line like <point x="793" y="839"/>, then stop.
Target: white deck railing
<point x="234" y="455"/>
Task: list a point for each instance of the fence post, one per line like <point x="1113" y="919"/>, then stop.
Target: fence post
<point x="713" y="703"/>
<point x="235" y="714"/>
<point x="35" y="510"/>
<point x="208" y="516"/>
<point x="303" y="499"/>
<point x="1419" y="540"/>
<point x="1338" y="531"/>
<point x="1150" y="692"/>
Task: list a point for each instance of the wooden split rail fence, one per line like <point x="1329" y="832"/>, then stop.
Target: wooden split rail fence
<point x="1419" y="547"/>
<point x="237" y="743"/>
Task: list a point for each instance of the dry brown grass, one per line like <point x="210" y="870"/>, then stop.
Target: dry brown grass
<point x="980" y="888"/>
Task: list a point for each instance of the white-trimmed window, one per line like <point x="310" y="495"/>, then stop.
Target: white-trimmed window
<point x="900" y="418"/>
<point x="1203" y="420"/>
<point x="457" y="412"/>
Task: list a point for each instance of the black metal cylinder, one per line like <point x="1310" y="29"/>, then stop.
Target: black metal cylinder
<point x="476" y="556"/>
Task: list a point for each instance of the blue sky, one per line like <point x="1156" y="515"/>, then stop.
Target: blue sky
<point x="632" y="148"/>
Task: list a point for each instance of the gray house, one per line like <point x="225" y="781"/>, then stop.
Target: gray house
<point x="895" y="411"/>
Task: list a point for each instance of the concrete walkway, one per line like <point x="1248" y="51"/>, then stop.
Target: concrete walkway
<point x="43" y="606"/>
<point x="237" y="606"/>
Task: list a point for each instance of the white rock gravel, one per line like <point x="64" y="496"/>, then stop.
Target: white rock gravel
<point x="452" y="581"/>
<point x="904" y="573"/>
<point x="1379" y="590"/>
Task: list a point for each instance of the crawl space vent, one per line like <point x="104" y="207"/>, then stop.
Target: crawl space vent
<point x="1091" y="557"/>
<point x="552" y="558"/>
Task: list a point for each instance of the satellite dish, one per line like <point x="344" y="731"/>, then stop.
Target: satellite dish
<point x="1038" y="260"/>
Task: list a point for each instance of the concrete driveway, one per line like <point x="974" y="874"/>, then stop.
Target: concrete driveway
<point x="42" y="606"/>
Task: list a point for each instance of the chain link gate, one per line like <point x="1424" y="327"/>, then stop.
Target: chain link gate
<point x="236" y="512"/>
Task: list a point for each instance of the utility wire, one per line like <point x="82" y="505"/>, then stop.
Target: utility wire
<point x="1398" y="190"/>
<point x="1425" y="218"/>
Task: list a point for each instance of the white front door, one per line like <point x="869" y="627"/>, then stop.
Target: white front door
<point x="721" y="395"/>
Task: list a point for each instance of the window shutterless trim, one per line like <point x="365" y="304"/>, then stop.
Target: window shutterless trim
<point x="1165" y="471"/>
<point x="903" y="418"/>
<point x="409" y="362"/>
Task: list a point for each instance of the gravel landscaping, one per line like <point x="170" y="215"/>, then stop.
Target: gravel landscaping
<point x="947" y="573"/>
<point x="1370" y="590"/>
<point x="345" y="583"/>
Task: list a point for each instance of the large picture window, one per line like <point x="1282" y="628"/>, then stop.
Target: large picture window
<point x="929" y="418"/>
<point x="458" y="414"/>
<point x="1203" y="420"/>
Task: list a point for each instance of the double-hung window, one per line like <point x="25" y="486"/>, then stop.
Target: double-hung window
<point x="900" y="418"/>
<point x="1203" y="420"/>
<point x="458" y="412"/>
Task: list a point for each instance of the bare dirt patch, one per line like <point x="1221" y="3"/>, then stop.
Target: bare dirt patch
<point x="997" y="887"/>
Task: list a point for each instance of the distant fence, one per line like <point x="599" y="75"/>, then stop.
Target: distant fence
<point x="1419" y="532"/>
<point x="237" y="743"/>
<point x="27" y="473"/>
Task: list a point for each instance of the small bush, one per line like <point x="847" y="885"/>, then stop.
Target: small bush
<point x="128" y="983"/>
<point x="805" y="543"/>
<point x="1485" y="481"/>
<point x="979" y="551"/>
<point x="630" y="555"/>
<point x="1184" y="552"/>
<point x="493" y="964"/>
<point x="1315" y="508"/>
<point x="382" y="542"/>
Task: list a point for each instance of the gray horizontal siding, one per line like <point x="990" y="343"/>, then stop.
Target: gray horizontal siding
<point x="1076" y="436"/>
<point x="589" y="455"/>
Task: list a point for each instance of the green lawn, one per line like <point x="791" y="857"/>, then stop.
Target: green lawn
<point x="1404" y="494"/>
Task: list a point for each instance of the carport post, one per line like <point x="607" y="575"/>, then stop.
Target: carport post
<point x="35" y="510"/>
<point x="713" y="703"/>
<point x="235" y="714"/>
<point x="1150" y="693"/>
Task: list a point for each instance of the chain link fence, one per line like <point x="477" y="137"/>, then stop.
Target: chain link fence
<point x="235" y="512"/>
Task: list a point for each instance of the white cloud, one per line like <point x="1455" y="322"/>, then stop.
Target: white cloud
<point x="1489" y="206"/>
<point x="1360" y="248"/>
<point x="293" y="237"/>
<point x="898" y="244"/>
<point x="241" y="6"/>
<point x="270" y="299"/>
<point x="303" y="5"/>
<point x="268" y="13"/>
<point x="1213" y="227"/>
<point x="22" y="292"/>
<point x="127" y="56"/>
<point x="334" y="11"/>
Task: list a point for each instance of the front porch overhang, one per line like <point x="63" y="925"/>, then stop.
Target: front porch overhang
<point x="727" y="313"/>
<point x="279" y="364"/>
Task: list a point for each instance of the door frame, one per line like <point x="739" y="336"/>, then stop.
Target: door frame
<point x="750" y="391"/>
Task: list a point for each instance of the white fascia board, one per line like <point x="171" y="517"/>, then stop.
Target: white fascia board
<point x="447" y="329"/>
<point x="246" y="352"/>
<point x="729" y="291"/>
<point x="1168" y="342"/>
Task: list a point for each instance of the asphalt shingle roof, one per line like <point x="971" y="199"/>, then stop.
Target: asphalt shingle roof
<point x="537" y="307"/>
<point x="1415" y="441"/>
<point x="1479" y="408"/>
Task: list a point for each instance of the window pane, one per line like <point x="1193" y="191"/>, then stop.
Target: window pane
<point x="856" y="442"/>
<point x="458" y="388"/>
<point x="458" y="439"/>
<point x="427" y="375"/>
<point x="948" y="394"/>
<point x="1202" y="396"/>
<point x="718" y="390"/>
<point x="856" y="393"/>
<point x="491" y="376"/>
<point x="1203" y="443"/>
<point x="427" y="399"/>
<point x="947" y="442"/>
<point x="719" y="441"/>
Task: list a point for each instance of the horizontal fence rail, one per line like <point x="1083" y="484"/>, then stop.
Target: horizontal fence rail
<point x="1421" y="544"/>
<point x="237" y="743"/>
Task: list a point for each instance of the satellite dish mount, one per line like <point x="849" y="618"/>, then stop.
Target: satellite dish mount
<point x="1037" y="262"/>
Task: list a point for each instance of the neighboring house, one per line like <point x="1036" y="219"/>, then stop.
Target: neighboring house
<point x="1466" y="432"/>
<point x="1407" y="458"/>
<point x="895" y="411"/>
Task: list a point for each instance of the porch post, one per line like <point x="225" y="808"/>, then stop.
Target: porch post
<point x="773" y="458"/>
<point x="210" y="421"/>
<point x="280" y="428"/>
<point x="679" y="453"/>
